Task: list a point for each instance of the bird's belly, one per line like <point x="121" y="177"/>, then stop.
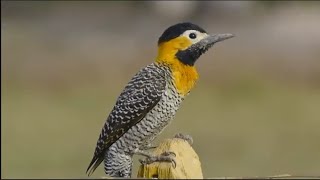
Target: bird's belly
<point x="152" y="124"/>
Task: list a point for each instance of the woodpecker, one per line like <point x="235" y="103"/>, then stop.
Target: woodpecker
<point x="151" y="99"/>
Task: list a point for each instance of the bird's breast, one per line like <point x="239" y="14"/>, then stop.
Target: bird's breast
<point x="184" y="77"/>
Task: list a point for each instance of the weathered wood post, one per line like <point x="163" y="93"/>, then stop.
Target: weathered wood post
<point x="188" y="165"/>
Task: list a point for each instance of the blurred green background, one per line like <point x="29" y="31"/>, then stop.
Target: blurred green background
<point x="254" y="112"/>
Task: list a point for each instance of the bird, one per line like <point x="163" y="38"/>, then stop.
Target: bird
<point x="150" y="100"/>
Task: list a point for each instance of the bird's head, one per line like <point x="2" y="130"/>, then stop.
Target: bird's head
<point x="186" y="42"/>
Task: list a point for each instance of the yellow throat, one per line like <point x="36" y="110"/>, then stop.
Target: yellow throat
<point x="185" y="76"/>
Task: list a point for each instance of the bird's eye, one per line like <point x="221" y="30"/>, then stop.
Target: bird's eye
<point x="192" y="35"/>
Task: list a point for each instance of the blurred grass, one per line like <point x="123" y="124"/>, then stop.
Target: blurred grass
<point x="254" y="112"/>
<point x="245" y="128"/>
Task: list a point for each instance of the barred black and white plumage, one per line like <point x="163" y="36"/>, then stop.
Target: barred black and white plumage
<point x="150" y="100"/>
<point x="144" y="107"/>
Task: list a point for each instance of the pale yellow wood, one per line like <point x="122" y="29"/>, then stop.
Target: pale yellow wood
<point x="188" y="165"/>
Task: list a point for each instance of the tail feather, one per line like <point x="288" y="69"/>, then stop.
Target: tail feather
<point x="95" y="162"/>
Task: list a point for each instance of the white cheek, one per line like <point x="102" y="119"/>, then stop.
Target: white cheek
<point x="200" y="35"/>
<point x="196" y="40"/>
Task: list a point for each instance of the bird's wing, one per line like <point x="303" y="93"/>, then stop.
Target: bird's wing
<point x="141" y="94"/>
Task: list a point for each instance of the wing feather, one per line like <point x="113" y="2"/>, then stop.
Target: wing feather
<point x="141" y="94"/>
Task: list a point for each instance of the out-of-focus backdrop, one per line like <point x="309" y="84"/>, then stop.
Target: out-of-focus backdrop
<point x="254" y="112"/>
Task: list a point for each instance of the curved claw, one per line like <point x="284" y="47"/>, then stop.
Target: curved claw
<point x="164" y="157"/>
<point x="169" y="153"/>
<point x="167" y="158"/>
<point x="174" y="163"/>
<point x="186" y="137"/>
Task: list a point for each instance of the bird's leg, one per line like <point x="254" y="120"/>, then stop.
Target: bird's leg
<point x="186" y="137"/>
<point x="147" y="146"/>
<point x="150" y="158"/>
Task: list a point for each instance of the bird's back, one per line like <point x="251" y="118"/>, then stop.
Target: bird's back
<point x="141" y="112"/>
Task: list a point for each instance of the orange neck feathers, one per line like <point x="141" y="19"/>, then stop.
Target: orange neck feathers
<point x="185" y="76"/>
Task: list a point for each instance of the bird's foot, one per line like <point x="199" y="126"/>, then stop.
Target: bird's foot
<point x="186" y="137"/>
<point x="148" y="146"/>
<point x="166" y="156"/>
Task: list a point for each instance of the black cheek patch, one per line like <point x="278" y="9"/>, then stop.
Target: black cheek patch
<point x="189" y="56"/>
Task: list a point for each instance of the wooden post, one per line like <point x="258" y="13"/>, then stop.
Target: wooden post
<point x="188" y="165"/>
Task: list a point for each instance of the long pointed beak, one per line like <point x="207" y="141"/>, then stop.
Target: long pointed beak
<point x="211" y="39"/>
<point x="191" y="54"/>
